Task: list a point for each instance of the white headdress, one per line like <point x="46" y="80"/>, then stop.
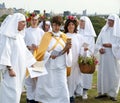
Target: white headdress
<point x="46" y="22"/>
<point x="5" y="21"/>
<point x="88" y="29"/>
<point x="116" y="26"/>
<point x="10" y="25"/>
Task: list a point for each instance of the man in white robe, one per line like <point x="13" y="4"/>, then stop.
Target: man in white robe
<point x="14" y="58"/>
<point x="33" y="35"/>
<point x="107" y="43"/>
<point x="52" y="88"/>
<point x="86" y="29"/>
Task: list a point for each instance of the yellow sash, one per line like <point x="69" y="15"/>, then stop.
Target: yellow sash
<point x="40" y="52"/>
<point x="57" y="42"/>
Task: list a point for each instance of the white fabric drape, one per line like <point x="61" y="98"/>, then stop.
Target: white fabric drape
<point x="109" y="68"/>
<point x="75" y="78"/>
<point x="13" y="52"/>
<point x="88" y="34"/>
<point x="52" y="88"/>
<point x="32" y="36"/>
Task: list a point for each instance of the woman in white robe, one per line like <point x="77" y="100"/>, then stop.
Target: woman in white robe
<point x="45" y="26"/>
<point x="108" y="42"/>
<point x="52" y="88"/>
<point x="75" y="77"/>
<point x="86" y="29"/>
<point x="33" y="35"/>
<point x="14" y="58"/>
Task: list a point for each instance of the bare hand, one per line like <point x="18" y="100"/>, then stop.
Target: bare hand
<point x="67" y="47"/>
<point x="102" y="51"/>
<point x="85" y="49"/>
<point x="107" y="45"/>
<point x="34" y="47"/>
<point x="11" y="73"/>
<point x="53" y="56"/>
<point x="36" y="78"/>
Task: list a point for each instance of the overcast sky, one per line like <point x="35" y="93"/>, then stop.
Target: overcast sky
<point x="75" y="6"/>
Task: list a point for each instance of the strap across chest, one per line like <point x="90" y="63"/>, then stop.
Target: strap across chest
<point x="57" y="42"/>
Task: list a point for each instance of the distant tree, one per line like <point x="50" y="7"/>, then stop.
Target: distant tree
<point x="3" y="17"/>
<point x="98" y="23"/>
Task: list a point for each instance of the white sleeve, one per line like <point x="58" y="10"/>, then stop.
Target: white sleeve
<point x="46" y="56"/>
<point x="98" y="44"/>
<point x="69" y="59"/>
<point x="30" y="60"/>
<point x="5" y="51"/>
<point x="116" y="49"/>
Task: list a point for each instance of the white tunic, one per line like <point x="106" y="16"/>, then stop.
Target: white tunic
<point x="52" y="88"/>
<point x="89" y="39"/>
<point x="109" y="68"/>
<point x="13" y="52"/>
<point x="32" y="36"/>
<point x="75" y="78"/>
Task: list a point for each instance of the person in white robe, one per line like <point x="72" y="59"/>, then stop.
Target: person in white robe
<point x="33" y="35"/>
<point x="108" y="45"/>
<point x="2" y="26"/>
<point x="75" y="77"/>
<point x="14" y="58"/>
<point x="86" y="29"/>
<point x="52" y="88"/>
<point x="45" y="26"/>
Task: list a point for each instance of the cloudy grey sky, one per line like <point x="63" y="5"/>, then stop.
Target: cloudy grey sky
<point x="58" y="6"/>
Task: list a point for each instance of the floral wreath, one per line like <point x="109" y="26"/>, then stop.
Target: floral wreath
<point x="29" y="16"/>
<point x="71" y="17"/>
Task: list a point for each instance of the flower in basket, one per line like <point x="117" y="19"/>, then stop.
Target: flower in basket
<point x="88" y="60"/>
<point x="87" y="64"/>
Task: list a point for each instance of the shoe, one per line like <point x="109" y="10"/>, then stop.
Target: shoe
<point x="113" y="98"/>
<point x="31" y="101"/>
<point x="84" y="96"/>
<point x="100" y="96"/>
<point x="72" y="100"/>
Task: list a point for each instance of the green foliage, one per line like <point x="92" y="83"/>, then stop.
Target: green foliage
<point x="3" y="17"/>
<point x="98" y="23"/>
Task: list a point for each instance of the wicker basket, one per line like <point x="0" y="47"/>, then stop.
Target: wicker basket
<point x="87" y="69"/>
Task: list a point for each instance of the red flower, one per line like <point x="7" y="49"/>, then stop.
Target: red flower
<point x="33" y="15"/>
<point x="71" y="17"/>
<point x="28" y="19"/>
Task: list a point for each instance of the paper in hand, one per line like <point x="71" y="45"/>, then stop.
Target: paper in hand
<point x="38" y="70"/>
<point x="38" y="66"/>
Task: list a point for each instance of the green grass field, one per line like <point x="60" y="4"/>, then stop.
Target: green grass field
<point x="91" y="94"/>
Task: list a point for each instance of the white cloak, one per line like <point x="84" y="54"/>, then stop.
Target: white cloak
<point x="32" y="36"/>
<point x="109" y="68"/>
<point x="13" y="52"/>
<point x="52" y="88"/>
<point x="87" y="78"/>
<point x="75" y="78"/>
